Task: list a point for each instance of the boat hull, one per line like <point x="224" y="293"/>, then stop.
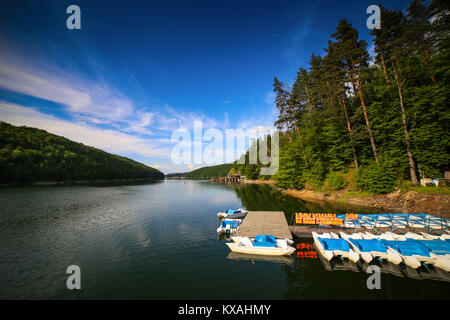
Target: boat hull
<point x="267" y="251"/>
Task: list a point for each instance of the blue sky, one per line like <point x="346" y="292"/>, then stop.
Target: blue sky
<point x="137" y="70"/>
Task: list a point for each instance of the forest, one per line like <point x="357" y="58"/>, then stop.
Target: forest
<point x="218" y="171"/>
<point x="29" y="155"/>
<point x="375" y="123"/>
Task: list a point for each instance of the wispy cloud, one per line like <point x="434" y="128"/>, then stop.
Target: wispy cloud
<point x="109" y="140"/>
<point x="91" y="101"/>
<point x="191" y="166"/>
<point x="157" y="166"/>
<point x="94" y="100"/>
<point x="94" y="112"/>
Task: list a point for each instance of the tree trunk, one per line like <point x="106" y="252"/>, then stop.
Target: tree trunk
<point x="307" y="98"/>
<point x="384" y="68"/>
<point x="412" y="166"/>
<point x="289" y="136"/>
<point x="398" y="63"/>
<point x="349" y="128"/>
<point x="366" y="117"/>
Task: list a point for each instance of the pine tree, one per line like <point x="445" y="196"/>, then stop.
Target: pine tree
<point x="385" y="38"/>
<point x="355" y="53"/>
<point x="416" y="35"/>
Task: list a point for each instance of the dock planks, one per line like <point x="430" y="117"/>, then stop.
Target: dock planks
<point x="264" y="222"/>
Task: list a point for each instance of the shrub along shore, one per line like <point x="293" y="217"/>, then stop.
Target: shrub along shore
<point x="432" y="200"/>
<point x="349" y="123"/>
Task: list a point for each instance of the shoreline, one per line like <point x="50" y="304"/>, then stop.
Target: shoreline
<point x="396" y="202"/>
<point x="260" y="181"/>
<point x="76" y="182"/>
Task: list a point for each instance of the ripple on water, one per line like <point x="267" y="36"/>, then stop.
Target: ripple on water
<point x="152" y="241"/>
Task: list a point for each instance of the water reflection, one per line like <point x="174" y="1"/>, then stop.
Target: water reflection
<point x="267" y="198"/>
<point x="422" y="273"/>
<point x="255" y="257"/>
<point x="345" y="279"/>
<point x="307" y="275"/>
<point x="159" y="241"/>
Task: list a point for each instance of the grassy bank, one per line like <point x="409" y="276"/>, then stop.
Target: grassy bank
<point x="426" y="190"/>
<point x="432" y="200"/>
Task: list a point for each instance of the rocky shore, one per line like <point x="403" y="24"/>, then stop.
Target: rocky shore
<point x="409" y="202"/>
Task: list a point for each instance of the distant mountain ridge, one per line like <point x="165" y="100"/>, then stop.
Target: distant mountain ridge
<point x="30" y="155"/>
<point x="220" y="170"/>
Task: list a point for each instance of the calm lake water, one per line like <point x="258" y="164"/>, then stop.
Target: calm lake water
<point x="159" y="241"/>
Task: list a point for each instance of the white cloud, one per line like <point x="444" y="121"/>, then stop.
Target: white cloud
<point x="105" y="139"/>
<point x="186" y="119"/>
<point x="140" y="125"/>
<point x="93" y="100"/>
<point x="192" y="166"/>
<point x="157" y="166"/>
<point x="92" y="103"/>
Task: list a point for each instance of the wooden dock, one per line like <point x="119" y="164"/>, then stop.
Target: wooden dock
<point x="264" y="222"/>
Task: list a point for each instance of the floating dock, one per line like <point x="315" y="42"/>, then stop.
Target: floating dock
<point x="304" y="231"/>
<point x="264" y="222"/>
<point x="302" y="224"/>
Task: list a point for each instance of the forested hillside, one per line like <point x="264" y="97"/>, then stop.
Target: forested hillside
<point x="383" y="122"/>
<point x="32" y="155"/>
<point x="220" y="170"/>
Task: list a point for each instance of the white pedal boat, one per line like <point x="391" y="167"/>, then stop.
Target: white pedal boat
<point x="238" y="239"/>
<point x="444" y="236"/>
<point x="262" y="245"/>
<point x="331" y="246"/>
<point x="235" y="214"/>
<point x="438" y="245"/>
<point x="415" y="250"/>
<point x="408" y="260"/>
<point x="229" y="225"/>
<point x="371" y="248"/>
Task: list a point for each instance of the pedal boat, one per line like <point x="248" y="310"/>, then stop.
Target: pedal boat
<point x="266" y="245"/>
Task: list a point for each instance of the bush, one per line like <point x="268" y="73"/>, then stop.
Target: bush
<point x="335" y="181"/>
<point x="376" y="178"/>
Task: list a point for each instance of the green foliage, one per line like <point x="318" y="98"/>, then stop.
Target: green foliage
<point x="210" y="172"/>
<point x="249" y="167"/>
<point x="31" y="155"/>
<point x="343" y="113"/>
<point x="376" y="178"/>
<point x="291" y="163"/>
<point x="335" y="181"/>
<point x="426" y="190"/>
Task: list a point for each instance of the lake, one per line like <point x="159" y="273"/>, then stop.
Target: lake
<point x="158" y="241"/>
